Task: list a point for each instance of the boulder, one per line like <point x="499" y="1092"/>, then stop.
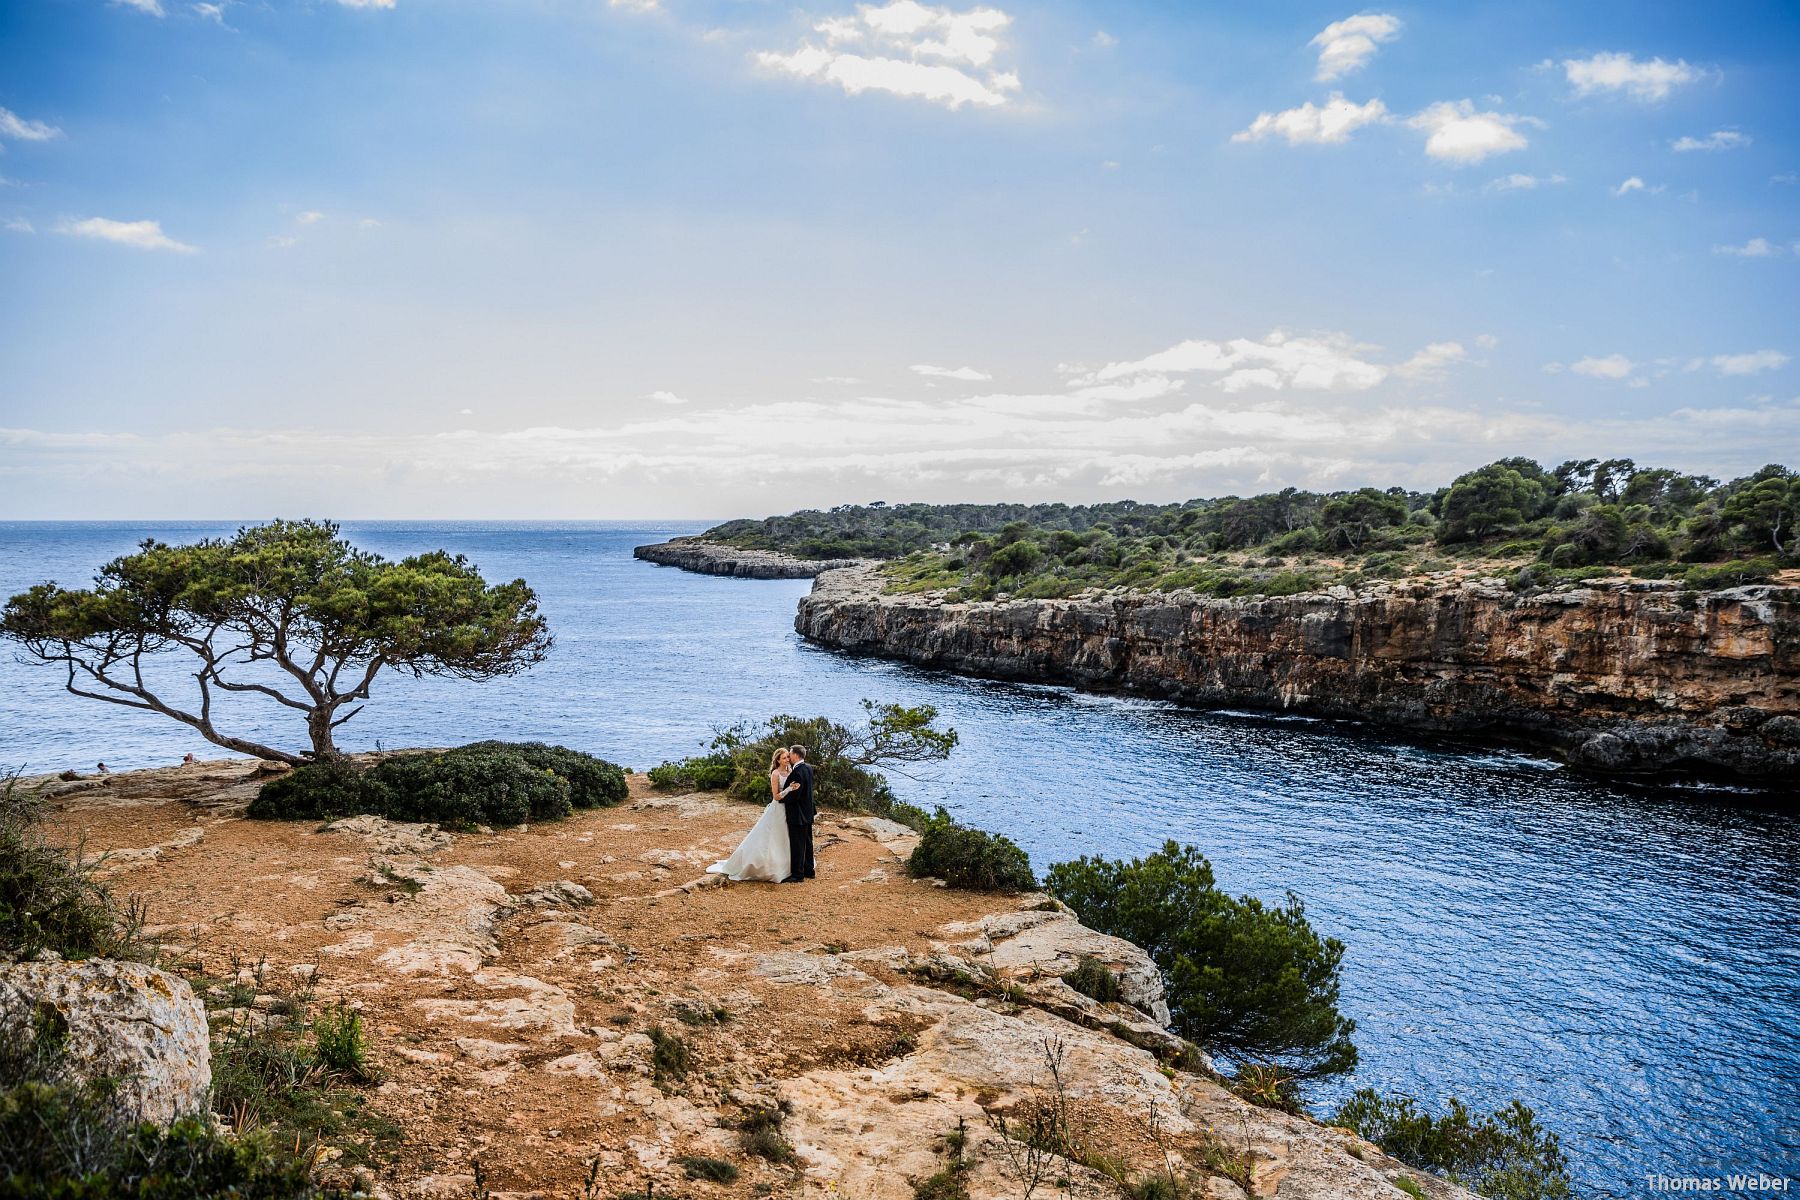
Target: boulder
<point x="125" y="1021"/>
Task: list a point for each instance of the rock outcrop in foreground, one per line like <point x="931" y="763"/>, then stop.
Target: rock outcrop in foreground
<point x="705" y="557"/>
<point x="522" y="988"/>
<point x="1618" y="678"/>
<point x="136" y="1027"/>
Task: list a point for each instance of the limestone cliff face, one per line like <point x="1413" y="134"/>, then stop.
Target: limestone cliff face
<point x="714" y="558"/>
<point x="1627" y="677"/>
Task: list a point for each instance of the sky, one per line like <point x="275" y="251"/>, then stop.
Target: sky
<point x="717" y="258"/>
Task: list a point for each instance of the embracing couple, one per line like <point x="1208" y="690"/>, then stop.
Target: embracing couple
<point x="779" y="847"/>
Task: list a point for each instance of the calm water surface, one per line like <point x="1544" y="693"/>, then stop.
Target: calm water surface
<point x="1625" y="960"/>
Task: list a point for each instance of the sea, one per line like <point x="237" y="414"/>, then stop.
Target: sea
<point x="1623" y="958"/>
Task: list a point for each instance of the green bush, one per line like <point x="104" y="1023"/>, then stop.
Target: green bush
<point x="465" y="788"/>
<point x="49" y="898"/>
<point x="1250" y="982"/>
<point x="1095" y="980"/>
<point x="1729" y="575"/>
<point x="712" y="1170"/>
<point x="704" y="773"/>
<point x="593" y="782"/>
<point x="1505" y="1155"/>
<point x="314" y="792"/>
<point x="970" y="858"/>
<point x="485" y="783"/>
<point x="341" y="1045"/>
<point x="64" y="1140"/>
<point x="759" y="1134"/>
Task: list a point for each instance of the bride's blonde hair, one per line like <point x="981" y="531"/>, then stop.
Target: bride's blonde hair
<point x="775" y="759"/>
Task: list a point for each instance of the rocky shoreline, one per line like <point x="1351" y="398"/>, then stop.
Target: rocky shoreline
<point x="1630" y="677"/>
<point x="705" y="557"/>
<point x="522" y="988"/>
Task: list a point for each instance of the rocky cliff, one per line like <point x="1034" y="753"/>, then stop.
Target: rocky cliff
<point x="1621" y="677"/>
<point x="578" y="996"/>
<point x="715" y="558"/>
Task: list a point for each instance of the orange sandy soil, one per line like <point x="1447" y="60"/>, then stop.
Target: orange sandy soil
<point x="251" y="891"/>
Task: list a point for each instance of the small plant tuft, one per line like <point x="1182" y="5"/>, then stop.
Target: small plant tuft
<point x="1095" y="980"/>
<point x="712" y="1170"/>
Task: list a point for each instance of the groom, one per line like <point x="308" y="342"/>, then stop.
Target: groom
<point x="797" y="800"/>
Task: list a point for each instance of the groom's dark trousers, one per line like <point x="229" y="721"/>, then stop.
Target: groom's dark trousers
<point x="800" y="814"/>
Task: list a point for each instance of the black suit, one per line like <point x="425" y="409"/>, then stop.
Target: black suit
<point x="797" y="799"/>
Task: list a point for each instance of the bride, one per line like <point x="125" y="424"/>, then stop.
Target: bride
<point x="764" y="853"/>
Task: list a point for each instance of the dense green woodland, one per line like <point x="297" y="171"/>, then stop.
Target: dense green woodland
<point x="1582" y="519"/>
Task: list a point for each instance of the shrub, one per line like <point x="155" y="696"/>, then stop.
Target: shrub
<point x="670" y="1057"/>
<point x="464" y="788"/>
<point x="341" y="1045"/>
<point x="593" y="782"/>
<point x="713" y="1170"/>
<point x="970" y="858"/>
<point x="705" y="773"/>
<point x="1250" y="982"/>
<point x="759" y="1134"/>
<point x="1729" y="575"/>
<point x="1095" y="980"/>
<point x="1505" y="1155"/>
<point x="485" y="783"/>
<point x="49" y="898"/>
<point x="64" y="1140"/>
<point x="315" y="792"/>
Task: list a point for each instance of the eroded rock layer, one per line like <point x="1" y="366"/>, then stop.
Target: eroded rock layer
<point x="715" y="558"/>
<point x="1624" y="677"/>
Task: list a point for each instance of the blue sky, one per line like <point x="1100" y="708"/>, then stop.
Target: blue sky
<point x="661" y="258"/>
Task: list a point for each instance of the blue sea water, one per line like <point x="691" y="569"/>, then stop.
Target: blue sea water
<point x="1624" y="959"/>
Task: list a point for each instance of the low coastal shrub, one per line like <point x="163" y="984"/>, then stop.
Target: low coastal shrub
<point x="970" y="858"/>
<point x="1095" y="980"/>
<point x="593" y="782"/>
<point x="1729" y="575"/>
<point x="49" y="898"/>
<point x="485" y="783"/>
<point x="1505" y="1155"/>
<point x="1247" y="981"/>
<point x="759" y="1134"/>
<point x="61" y="1139"/>
<point x="703" y="773"/>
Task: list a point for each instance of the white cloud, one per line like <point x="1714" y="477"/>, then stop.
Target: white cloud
<point x="212" y="12"/>
<point x="1331" y="123"/>
<point x="1718" y="139"/>
<point x="1634" y="184"/>
<point x="153" y="7"/>
<point x="1786" y="177"/>
<point x="309" y="217"/>
<point x="18" y="225"/>
<point x="1754" y="248"/>
<point x="666" y="398"/>
<point x="636" y="6"/>
<point x="1333" y="362"/>
<point x="1457" y="133"/>
<point x="281" y="241"/>
<point x="1345" y="46"/>
<point x="1613" y="366"/>
<point x="1648" y="80"/>
<point x="1522" y="183"/>
<point x="1103" y="40"/>
<point x="144" y="235"/>
<point x="368" y="223"/>
<point x="1433" y="361"/>
<point x="1749" y="364"/>
<point x="966" y="373"/>
<point x="908" y="49"/>
<point x="367" y="3"/>
<point x="14" y="126"/>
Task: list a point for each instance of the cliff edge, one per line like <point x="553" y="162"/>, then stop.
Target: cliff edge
<point x="1622" y="677"/>
<point x="580" y="992"/>
<point x="706" y="557"/>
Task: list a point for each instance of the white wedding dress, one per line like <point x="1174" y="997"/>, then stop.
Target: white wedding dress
<point x="764" y="853"/>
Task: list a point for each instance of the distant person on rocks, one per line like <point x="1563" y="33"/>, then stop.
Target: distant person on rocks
<point x="188" y="759"/>
<point x="101" y="767"/>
